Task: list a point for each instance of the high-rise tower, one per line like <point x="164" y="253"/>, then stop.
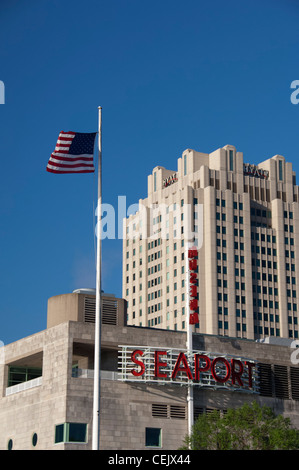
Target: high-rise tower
<point x="244" y="220"/>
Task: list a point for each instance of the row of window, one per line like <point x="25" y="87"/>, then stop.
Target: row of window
<point x="66" y="432"/>
<point x="153" y="283"/>
<point x="258" y="316"/>
<point x="256" y="212"/>
<point x="77" y="433"/>
<point x="175" y="224"/>
<point x="263" y="250"/>
<point x="266" y="331"/>
<point x="224" y="325"/>
<point x="34" y="440"/>
<point x="222" y="202"/>
<point x="264" y="276"/>
<point x="158" y="320"/>
<point x="263" y="237"/>
<point x="158" y="306"/>
<point x="71" y="432"/>
<point x="158" y="293"/>
<point x="236" y="219"/>
<point x="258" y="330"/>
<point x="257" y="275"/>
<point x="264" y="263"/>
<point x="155" y="321"/>
<point x="265" y="303"/>
<point x="266" y="317"/>
<point x="266" y="290"/>
<point x="260" y="213"/>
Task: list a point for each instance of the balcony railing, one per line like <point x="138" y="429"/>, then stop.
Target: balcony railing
<point x="23" y="386"/>
<point x="88" y="374"/>
<point x="80" y="373"/>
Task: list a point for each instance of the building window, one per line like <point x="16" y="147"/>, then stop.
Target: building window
<point x="153" y="437"/>
<point x="231" y="160"/>
<point x="280" y="170"/>
<point x="34" y="439"/>
<point x="10" y="444"/>
<point x="59" y="433"/>
<point x="18" y="375"/>
<point x="71" y="432"/>
<point x="155" y="181"/>
<point x="185" y="165"/>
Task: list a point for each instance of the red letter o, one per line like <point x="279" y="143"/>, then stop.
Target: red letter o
<point x="213" y="369"/>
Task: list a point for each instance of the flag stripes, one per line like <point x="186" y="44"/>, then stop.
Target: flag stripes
<point x="73" y="153"/>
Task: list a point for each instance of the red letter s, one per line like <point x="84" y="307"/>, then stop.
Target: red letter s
<point x="139" y="363"/>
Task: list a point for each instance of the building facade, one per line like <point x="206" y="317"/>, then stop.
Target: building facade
<point x="47" y="380"/>
<point x="243" y="219"/>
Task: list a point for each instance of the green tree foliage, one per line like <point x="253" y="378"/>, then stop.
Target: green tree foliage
<point x="250" y="427"/>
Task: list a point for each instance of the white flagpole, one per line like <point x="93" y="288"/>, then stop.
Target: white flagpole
<point x="190" y="404"/>
<point x="97" y="345"/>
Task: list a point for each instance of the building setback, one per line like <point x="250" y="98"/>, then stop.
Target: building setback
<point x="47" y="384"/>
<point x="243" y="219"/>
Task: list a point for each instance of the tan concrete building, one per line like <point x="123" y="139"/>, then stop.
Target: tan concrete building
<point x="244" y="221"/>
<point x="47" y="382"/>
<point x="47" y="385"/>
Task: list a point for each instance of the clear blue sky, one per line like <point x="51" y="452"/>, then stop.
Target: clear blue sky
<point x="169" y="75"/>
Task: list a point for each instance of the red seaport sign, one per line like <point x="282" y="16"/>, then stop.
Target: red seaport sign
<point x="198" y="368"/>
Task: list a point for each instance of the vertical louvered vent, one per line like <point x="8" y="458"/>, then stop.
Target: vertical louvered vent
<point x="109" y="311"/>
<point x="295" y="382"/>
<point x="265" y="380"/>
<point x="89" y="309"/>
<point x="281" y="382"/>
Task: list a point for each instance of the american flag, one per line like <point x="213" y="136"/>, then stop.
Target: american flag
<point x="73" y="153"/>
